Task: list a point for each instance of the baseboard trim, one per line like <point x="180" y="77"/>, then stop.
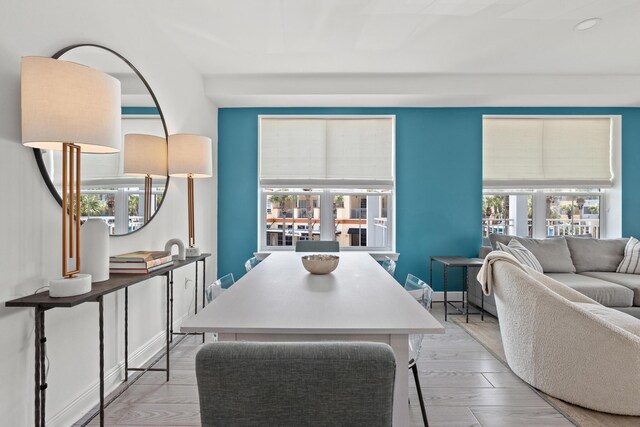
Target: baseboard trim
<point x="438" y="296"/>
<point x="88" y="399"/>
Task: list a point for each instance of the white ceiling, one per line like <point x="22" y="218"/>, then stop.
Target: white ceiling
<point x="392" y="52"/>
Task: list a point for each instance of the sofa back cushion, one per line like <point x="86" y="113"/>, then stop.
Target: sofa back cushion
<point x="553" y="253"/>
<point x="522" y="254"/>
<point x="595" y="254"/>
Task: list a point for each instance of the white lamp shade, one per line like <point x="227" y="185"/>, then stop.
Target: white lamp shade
<point x="190" y="155"/>
<point x="65" y="102"/>
<point x="145" y="155"/>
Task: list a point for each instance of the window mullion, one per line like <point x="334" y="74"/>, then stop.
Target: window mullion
<point x="326" y="216"/>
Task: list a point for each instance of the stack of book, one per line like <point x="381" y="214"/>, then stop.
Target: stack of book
<point x="140" y="262"/>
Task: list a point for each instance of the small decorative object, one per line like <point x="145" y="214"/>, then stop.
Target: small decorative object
<point x="190" y="157"/>
<point x="320" y="263"/>
<point x="176" y="242"/>
<point x="94" y="249"/>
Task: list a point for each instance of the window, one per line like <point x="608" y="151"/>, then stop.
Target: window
<point x="326" y="178"/>
<point x="547" y="176"/>
<point x="542" y="213"/>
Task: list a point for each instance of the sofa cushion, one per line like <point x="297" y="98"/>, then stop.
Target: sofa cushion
<point x="631" y="281"/>
<point x="522" y="254"/>
<point x="631" y="262"/>
<point x="606" y="293"/>
<point x="595" y="254"/>
<point x="553" y="253"/>
<point x="618" y="318"/>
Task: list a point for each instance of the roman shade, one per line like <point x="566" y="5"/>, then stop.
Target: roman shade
<point x="546" y="152"/>
<point x="332" y="152"/>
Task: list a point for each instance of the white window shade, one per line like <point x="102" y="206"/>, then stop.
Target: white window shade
<point x="333" y="152"/>
<point x="546" y="152"/>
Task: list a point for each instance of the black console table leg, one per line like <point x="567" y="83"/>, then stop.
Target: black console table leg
<point x="170" y="279"/>
<point x="126" y="334"/>
<point x="36" y="375"/>
<point x="204" y="285"/>
<point x="101" y="338"/>
<point x="40" y="369"/>
<point x="195" y="305"/>
<point x="169" y="334"/>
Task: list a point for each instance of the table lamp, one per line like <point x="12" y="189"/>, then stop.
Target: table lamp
<point x="190" y="157"/>
<point x="70" y="108"/>
<point x="145" y="155"/>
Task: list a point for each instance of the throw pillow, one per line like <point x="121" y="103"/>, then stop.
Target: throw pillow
<point x="522" y="254"/>
<point x="631" y="262"/>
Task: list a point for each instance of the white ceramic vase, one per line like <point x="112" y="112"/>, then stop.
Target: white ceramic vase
<point x="94" y="249"/>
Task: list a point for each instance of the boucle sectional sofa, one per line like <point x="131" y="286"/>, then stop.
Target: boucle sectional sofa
<point x="584" y="264"/>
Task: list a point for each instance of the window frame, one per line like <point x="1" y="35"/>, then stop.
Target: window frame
<point x="327" y="193"/>
<point x="539" y="202"/>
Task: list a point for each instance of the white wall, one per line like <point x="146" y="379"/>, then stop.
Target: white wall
<point x="30" y="218"/>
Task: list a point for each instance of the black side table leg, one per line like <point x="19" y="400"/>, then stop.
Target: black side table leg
<point x="446" y="269"/>
<point x="431" y="276"/>
<point x="465" y="291"/>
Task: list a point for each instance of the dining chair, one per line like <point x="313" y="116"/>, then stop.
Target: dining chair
<point x="296" y="384"/>
<point x="317" y="246"/>
<point x="216" y="288"/>
<point x="251" y="263"/>
<point x="389" y="265"/>
<point x="422" y="293"/>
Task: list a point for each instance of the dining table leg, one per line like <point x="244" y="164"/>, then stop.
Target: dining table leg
<point x="400" y="345"/>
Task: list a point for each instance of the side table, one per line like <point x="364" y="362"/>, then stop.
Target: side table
<point x="457" y="262"/>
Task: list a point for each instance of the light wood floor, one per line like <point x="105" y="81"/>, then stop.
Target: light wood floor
<point x="462" y="383"/>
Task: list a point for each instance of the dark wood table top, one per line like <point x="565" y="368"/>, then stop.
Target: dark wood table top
<point x="98" y="289"/>
<point x="458" y="261"/>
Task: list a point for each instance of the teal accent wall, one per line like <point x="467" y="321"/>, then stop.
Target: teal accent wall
<point x="438" y="180"/>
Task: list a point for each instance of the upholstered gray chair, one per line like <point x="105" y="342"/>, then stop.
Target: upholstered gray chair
<point x="317" y="246"/>
<point x="296" y="384"/>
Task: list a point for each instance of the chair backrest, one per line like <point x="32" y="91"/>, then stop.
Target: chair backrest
<point x="317" y="246"/>
<point x="217" y="287"/>
<point x="389" y="265"/>
<point x="251" y="262"/>
<point x="328" y="383"/>
<point x="419" y="289"/>
<point x="422" y="293"/>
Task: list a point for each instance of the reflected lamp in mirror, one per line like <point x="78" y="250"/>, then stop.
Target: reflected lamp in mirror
<point x="145" y="155"/>
<point x="190" y="157"/>
<point x="70" y="108"/>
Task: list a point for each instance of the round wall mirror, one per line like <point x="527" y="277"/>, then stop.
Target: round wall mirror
<point x="107" y="192"/>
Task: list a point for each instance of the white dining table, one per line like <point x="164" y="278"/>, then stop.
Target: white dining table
<point x="278" y="300"/>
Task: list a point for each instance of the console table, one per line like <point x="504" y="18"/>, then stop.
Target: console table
<point x="41" y="302"/>
<point x="459" y="262"/>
